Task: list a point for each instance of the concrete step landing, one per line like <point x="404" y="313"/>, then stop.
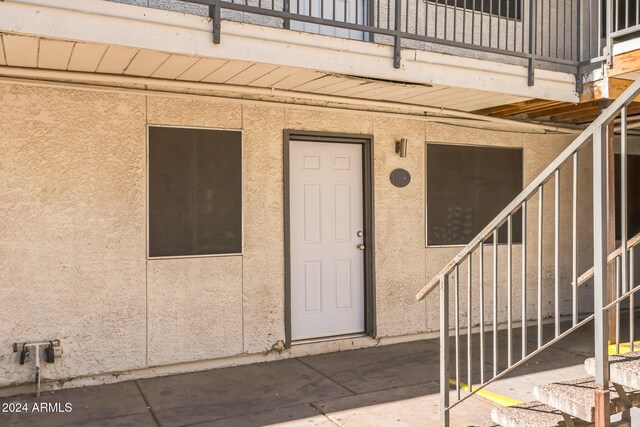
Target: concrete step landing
<point x="575" y="397"/>
<point x="531" y="414"/>
<point x="624" y="369"/>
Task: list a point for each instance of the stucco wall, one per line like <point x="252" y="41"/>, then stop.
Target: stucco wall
<point x="72" y="237"/>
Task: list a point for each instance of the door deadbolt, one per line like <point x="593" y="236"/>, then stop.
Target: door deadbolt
<point x="359" y="234"/>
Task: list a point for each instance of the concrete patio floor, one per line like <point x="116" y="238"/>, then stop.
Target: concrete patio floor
<point x="393" y="385"/>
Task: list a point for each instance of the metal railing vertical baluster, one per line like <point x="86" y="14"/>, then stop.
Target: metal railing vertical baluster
<point x="455" y="20"/>
<point x="541" y="27"/>
<point x="415" y="28"/>
<point x="571" y="17"/>
<point x="495" y="302"/>
<point x="499" y="23"/>
<point x="397" y="43"/>
<point x="481" y="295"/>
<point x="523" y="13"/>
<point x="565" y="28"/>
<point x="574" y="241"/>
<point x="556" y="252"/>
<point x="524" y="279"/>
<point x="464" y="22"/>
<point x="469" y="320"/>
<point x="539" y="265"/>
<point x="618" y="305"/>
<point x="631" y="301"/>
<point x="482" y="22"/>
<point x="557" y="35"/>
<point x="624" y="260"/>
<point x="490" y="23"/>
<point x="626" y="14"/>
<point x="406" y="18"/>
<point x="599" y="28"/>
<point x="344" y="12"/>
<point x="444" y="350"/>
<point x="589" y="47"/>
<point x="446" y="18"/>
<point x="426" y="18"/>
<point x="533" y="36"/>
<point x="456" y="320"/>
<point x="509" y="291"/>
<point x="549" y="34"/>
<point x="473" y="21"/>
<point x="578" y="33"/>
<point x="435" y="23"/>
<point x="507" y="27"/>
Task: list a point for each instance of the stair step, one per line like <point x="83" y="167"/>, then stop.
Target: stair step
<point x="624" y="369"/>
<point x="531" y="414"/>
<point x="576" y="397"/>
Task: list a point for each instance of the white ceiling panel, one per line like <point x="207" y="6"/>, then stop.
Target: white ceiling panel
<point x="54" y="54"/>
<point x="21" y="51"/>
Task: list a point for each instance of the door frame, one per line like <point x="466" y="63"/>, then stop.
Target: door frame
<point x="367" y="187"/>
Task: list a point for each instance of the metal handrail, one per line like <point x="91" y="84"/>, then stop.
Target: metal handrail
<point x="546" y="175"/>
<point x="597" y="133"/>
<point x="584" y="277"/>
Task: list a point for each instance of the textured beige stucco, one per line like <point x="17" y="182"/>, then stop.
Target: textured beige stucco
<point x="73" y="229"/>
<point x="399" y="216"/>
<point x="72" y="239"/>
<point x="194" y="308"/>
<point x="263" y="261"/>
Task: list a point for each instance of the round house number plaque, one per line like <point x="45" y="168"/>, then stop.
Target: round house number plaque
<point x="400" y="178"/>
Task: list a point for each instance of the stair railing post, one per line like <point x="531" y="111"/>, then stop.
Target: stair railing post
<point x="601" y="319"/>
<point x="444" y="350"/>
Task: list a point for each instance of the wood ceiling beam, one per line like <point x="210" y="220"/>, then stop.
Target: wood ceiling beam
<point x="561" y="109"/>
<point x="502" y="110"/>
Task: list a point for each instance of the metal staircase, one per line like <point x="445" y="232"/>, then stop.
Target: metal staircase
<point x="477" y="267"/>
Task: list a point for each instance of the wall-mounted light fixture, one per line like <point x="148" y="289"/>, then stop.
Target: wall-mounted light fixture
<point x="401" y="147"/>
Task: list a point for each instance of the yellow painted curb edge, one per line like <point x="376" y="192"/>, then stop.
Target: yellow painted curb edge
<point x="490" y="396"/>
<point x="625" y="347"/>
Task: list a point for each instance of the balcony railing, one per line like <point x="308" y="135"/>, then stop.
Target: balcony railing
<point x="536" y="33"/>
<point x="623" y="22"/>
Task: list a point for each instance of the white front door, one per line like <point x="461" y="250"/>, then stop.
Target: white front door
<point x="326" y="229"/>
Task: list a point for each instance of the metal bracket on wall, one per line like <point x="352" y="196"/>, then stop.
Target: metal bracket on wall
<point x="214" y="14"/>
<point x="531" y="72"/>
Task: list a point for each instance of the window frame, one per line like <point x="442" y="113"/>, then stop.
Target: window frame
<point x="147" y="206"/>
<point x="426" y="187"/>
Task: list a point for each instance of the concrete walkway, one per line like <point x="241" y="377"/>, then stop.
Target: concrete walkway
<point x="395" y="385"/>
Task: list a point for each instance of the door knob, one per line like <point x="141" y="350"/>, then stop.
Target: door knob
<point x="361" y="247"/>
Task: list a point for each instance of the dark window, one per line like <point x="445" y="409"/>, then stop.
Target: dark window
<point x="511" y="9"/>
<point x="195" y="192"/>
<point x="467" y="187"/>
<point x="633" y="196"/>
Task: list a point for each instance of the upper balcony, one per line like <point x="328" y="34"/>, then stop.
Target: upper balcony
<point x="477" y="54"/>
